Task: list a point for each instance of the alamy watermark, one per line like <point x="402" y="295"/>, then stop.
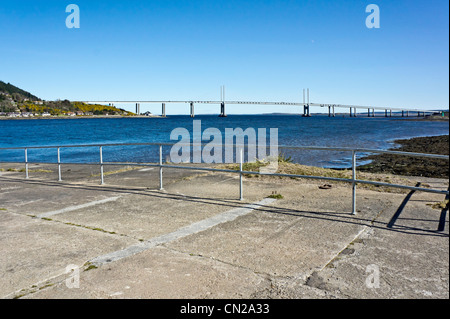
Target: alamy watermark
<point x="373" y="19"/>
<point x="73" y="19"/>
<point x="373" y="279"/>
<point x="73" y="280"/>
<point x="250" y="143"/>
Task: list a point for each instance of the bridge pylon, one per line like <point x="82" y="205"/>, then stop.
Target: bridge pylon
<point x="306" y="103"/>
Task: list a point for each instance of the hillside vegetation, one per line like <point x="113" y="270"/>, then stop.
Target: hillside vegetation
<point x="17" y="102"/>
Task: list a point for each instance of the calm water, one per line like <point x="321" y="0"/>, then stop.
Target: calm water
<point x="374" y="133"/>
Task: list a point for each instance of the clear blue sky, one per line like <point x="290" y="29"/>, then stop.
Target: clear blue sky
<point x="260" y="50"/>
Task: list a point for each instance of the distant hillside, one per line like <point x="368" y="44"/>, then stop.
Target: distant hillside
<point x="16" y="92"/>
<point x="25" y="104"/>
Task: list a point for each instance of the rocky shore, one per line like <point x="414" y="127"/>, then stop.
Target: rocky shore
<point x="413" y="166"/>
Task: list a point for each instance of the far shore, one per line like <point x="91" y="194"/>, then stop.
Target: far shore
<point x="435" y="117"/>
<point x="78" y="117"/>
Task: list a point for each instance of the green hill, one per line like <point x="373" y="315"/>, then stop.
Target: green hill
<point x="16" y="100"/>
<point x="14" y="91"/>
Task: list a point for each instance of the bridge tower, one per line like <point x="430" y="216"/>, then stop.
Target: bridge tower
<point x="222" y="103"/>
<point x="306" y="104"/>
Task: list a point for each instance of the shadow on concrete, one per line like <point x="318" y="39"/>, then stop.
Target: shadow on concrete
<point x="341" y="217"/>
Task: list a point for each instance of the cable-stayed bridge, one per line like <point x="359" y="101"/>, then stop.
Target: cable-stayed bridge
<point x="303" y="106"/>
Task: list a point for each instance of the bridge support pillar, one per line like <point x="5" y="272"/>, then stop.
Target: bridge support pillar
<point x="385" y="113"/>
<point x="306" y="110"/>
<point x="334" y="114"/>
<point x="222" y="110"/>
<point x="163" y="113"/>
<point x="403" y="113"/>
<point x="138" y="109"/>
<point x="351" y="114"/>
<point x="390" y="113"/>
<point x="192" y="110"/>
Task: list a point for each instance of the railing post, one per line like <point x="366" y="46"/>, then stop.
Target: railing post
<point x="160" y="169"/>
<point x="26" y="164"/>
<point x="241" y="159"/>
<point x="101" y="166"/>
<point x="354" y="183"/>
<point x="59" y="165"/>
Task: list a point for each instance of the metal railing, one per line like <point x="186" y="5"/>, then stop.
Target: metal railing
<point x="353" y="181"/>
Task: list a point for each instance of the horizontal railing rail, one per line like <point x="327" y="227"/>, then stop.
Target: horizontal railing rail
<point x="311" y="148"/>
<point x="354" y="181"/>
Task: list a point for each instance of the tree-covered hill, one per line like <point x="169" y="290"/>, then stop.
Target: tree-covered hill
<point x="15" y="91"/>
<point x="16" y="100"/>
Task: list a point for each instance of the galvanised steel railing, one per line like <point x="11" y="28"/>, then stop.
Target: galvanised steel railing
<point x="353" y="181"/>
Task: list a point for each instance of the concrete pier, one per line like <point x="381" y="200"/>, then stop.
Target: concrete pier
<point x="306" y="112"/>
<point x="196" y="240"/>
<point x="331" y="112"/>
<point x="192" y="110"/>
<point x="138" y="109"/>
<point x="222" y="110"/>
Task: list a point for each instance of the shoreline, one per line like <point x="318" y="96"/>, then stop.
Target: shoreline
<point x="412" y="166"/>
<point x="77" y="117"/>
<point x="430" y="118"/>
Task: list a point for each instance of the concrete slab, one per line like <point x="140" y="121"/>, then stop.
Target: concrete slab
<point x="287" y="239"/>
<point x="162" y="273"/>
<point x="33" y="197"/>
<point x="305" y="245"/>
<point x="408" y="260"/>
<point x="34" y="251"/>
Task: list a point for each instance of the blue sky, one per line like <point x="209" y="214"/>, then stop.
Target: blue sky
<point x="260" y="50"/>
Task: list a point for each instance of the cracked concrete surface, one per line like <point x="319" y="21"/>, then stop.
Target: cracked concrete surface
<point x="305" y="245"/>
